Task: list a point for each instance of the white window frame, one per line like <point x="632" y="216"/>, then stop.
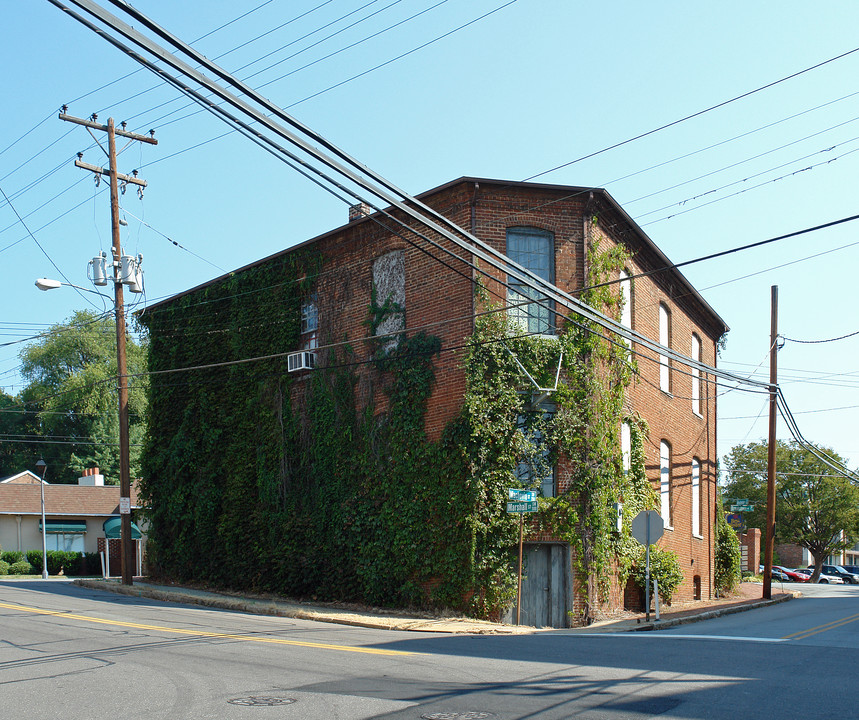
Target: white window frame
<point x="626" y="446"/>
<point x="696" y="375"/>
<point x="626" y="308"/>
<point x="665" y="482"/>
<point x="535" y="318"/>
<point x="309" y="323"/>
<point x="664" y="339"/>
<point x="696" y="497"/>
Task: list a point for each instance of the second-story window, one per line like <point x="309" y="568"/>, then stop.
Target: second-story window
<point x="533" y="249"/>
<point x="309" y="323"/>
<point x="537" y="469"/>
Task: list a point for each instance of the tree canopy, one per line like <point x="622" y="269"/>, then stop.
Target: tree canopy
<point x="68" y="409"/>
<point x="815" y="507"/>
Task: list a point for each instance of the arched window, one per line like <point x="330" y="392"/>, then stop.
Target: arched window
<point x="696" y="375"/>
<point x="664" y="339"/>
<point x="626" y="307"/>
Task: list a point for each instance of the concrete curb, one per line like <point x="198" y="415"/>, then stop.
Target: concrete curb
<point x="710" y="614"/>
<point x="299" y="612"/>
<point x="469" y="626"/>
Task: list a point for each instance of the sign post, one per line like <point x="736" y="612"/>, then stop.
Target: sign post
<point x="520" y="501"/>
<point x="647" y="528"/>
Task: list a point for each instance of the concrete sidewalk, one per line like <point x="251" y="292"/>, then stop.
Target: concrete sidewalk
<point x="747" y="599"/>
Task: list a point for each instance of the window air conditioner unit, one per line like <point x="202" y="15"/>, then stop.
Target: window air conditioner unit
<point x="295" y="362"/>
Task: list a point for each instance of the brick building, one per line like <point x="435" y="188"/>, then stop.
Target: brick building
<point x="428" y="285"/>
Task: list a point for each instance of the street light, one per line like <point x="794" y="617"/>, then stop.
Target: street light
<point x="41" y="468"/>
<point x="132" y="280"/>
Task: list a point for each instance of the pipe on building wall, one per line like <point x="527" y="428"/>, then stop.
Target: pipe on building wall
<point x="18" y="519"/>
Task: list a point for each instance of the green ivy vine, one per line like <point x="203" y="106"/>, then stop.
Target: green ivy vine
<point x="308" y="488"/>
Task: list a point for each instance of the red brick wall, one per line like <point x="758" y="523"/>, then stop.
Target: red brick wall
<point x="439" y="299"/>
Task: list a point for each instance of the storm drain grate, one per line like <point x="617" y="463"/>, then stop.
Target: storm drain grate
<point x="457" y="716"/>
<point x="261" y="701"/>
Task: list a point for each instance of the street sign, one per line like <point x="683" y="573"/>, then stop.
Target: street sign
<point x="124" y="506"/>
<point x="522" y="507"/>
<point x="736" y="521"/>
<point x="741" y="508"/>
<point x="516" y="495"/>
<point x="647" y="527"/>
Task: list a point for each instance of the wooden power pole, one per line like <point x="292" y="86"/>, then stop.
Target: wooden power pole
<point x="771" y="447"/>
<point x="119" y="309"/>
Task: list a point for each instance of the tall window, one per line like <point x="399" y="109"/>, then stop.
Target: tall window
<point x="665" y="488"/>
<point x="626" y="446"/>
<point x="626" y="308"/>
<point x="664" y="339"/>
<point x="535" y="250"/>
<point x="309" y="323"/>
<point x="389" y="282"/>
<point x="696" y="375"/>
<point x="696" y="497"/>
<point x="537" y="470"/>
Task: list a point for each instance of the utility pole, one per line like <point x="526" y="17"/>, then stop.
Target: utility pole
<point x="119" y="309"/>
<point x="771" y="448"/>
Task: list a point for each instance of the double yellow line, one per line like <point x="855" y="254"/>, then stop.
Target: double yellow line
<point x="202" y="634"/>
<point x="802" y="634"/>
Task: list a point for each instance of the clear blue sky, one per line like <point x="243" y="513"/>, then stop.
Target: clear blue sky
<point x="529" y="87"/>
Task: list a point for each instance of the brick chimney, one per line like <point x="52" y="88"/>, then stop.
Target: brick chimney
<point x="361" y="210"/>
<point x="91" y="477"/>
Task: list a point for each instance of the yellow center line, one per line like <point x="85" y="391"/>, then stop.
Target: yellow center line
<point x="802" y="634"/>
<point x="203" y="634"/>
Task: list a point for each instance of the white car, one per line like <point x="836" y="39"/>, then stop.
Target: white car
<point x="825" y="579"/>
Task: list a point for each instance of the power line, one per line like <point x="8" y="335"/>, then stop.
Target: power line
<point x="693" y="115"/>
<point x="817" y="342"/>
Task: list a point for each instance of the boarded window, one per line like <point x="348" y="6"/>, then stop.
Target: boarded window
<point x="389" y="281"/>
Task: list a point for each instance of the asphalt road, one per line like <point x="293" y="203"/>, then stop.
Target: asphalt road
<point x="66" y="651"/>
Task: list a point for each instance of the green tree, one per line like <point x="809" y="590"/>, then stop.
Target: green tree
<point x="15" y="455"/>
<point x="71" y="380"/>
<point x="815" y="507"/>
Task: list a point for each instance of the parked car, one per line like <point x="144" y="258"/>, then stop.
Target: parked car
<point x="793" y="575"/>
<point x="777" y="574"/>
<point x="847" y="577"/>
<point x="826" y="579"/>
<point x="852" y="568"/>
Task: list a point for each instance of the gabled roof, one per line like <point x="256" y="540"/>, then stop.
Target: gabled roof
<point x="23" y="478"/>
<point x="77" y="500"/>
<point x="657" y="257"/>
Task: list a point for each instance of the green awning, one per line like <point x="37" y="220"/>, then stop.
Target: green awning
<point x="113" y="529"/>
<point x="63" y="526"/>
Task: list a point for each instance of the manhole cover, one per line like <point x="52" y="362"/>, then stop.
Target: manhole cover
<point x="261" y="701"/>
<point x="457" y="716"/>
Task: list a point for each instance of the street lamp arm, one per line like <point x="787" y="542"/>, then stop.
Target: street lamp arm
<point x="46" y="284"/>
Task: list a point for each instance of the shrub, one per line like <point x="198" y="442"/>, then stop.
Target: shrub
<point x="664" y="566"/>
<point x="22" y="567"/>
<point x="4" y="567"/>
<point x="34" y="558"/>
<point x="11" y="556"/>
<point x="728" y="556"/>
<point x="90" y="564"/>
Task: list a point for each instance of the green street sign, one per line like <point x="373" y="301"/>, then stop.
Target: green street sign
<point x="522" y="507"/>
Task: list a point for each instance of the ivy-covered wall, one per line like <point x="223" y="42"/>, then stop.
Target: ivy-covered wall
<point x="328" y="485"/>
